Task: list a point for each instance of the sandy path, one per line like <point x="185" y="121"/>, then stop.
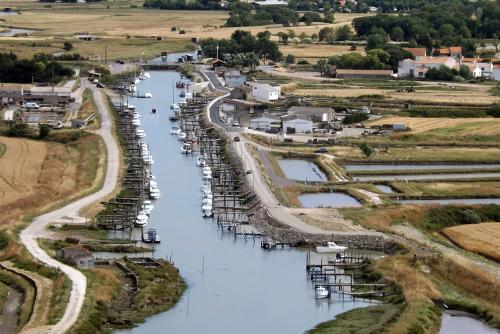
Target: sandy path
<point x="38" y="227"/>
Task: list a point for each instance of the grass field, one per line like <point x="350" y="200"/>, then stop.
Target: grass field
<point x="445" y="126"/>
<point x="481" y="238"/>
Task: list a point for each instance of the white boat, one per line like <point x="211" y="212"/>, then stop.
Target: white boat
<point x="206" y="201"/>
<point x="200" y="162"/>
<point x="331" y="247"/>
<point x="136" y="122"/>
<point x="182" y="102"/>
<point x="136" y="80"/>
<point x="174" y="106"/>
<point x="186" y="148"/>
<point x="155" y="194"/>
<point x="207" y="211"/>
<point x="146" y="75"/>
<point x="147" y="206"/>
<point x="321" y="292"/>
<point x="175" y="130"/>
<point x="140" y="133"/>
<point x="142" y="220"/>
<point x="181" y="136"/>
<point x="148" y="95"/>
<point x="132" y="88"/>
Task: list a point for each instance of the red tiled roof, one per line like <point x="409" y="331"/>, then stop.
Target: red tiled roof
<point x="373" y="72"/>
<point x="417" y="52"/>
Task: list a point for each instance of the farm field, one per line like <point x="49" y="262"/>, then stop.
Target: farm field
<point x="317" y="51"/>
<point x="34" y="174"/>
<point x="481" y="238"/>
<point x="445" y="126"/>
<point x="443" y="189"/>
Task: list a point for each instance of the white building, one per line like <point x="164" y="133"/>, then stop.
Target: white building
<point x="297" y="124"/>
<point x="418" y="68"/>
<point x="265" y="92"/>
<point x="496" y="73"/>
<point x="264" y="122"/>
<point x="318" y="114"/>
<point x="480" y="69"/>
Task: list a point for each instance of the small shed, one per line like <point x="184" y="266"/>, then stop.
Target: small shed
<point x="234" y="78"/>
<point x="77" y="255"/>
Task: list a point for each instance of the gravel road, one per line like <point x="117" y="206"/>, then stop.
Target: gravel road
<point x="38" y="227"/>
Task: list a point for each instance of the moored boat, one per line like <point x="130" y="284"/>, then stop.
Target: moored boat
<point x="321" y="292"/>
<point x="331" y="247"/>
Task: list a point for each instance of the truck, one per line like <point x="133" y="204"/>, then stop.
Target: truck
<point x="31" y="105"/>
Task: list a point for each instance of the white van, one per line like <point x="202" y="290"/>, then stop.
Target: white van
<point x="31" y="105"/>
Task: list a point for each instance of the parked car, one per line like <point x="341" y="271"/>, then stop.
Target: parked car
<point x="119" y="61"/>
<point x="100" y="85"/>
<point x="235" y="123"/>
<point x="31" y="105"/>
<point x="236" y="139"/>
<point x="321" y="150"/>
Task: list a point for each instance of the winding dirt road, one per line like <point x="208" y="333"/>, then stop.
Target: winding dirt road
<point x="38" y="227"/>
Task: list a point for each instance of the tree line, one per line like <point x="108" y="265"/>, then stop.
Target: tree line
<point x="184" y="4"/>
<point x="437" y="24"/>
<point x="40" y="68"/>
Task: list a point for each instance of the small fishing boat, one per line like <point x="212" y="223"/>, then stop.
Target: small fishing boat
<point x="180" y="84"/>
<point x="140" y="133"/>
<point x="331" y="247"/>
<point x="148" y="95"/>
<point x="175" y="130"/>
<point x="174" y="106"/>
<point x="181" y="136"/>
<point x="151" y="236"/>
<point x="207" y="211"/>
<point x="182" y="102"/>
<point x="186" y="148"/>
<point x="147" y="206"/>
<point x="321" y="292"/>
<point x="174" y="116"/>
<point x="182" y="94"/>
<point x="142" y="219"/>
<point x="146" y="75"/>
<point x="153" y="110"/>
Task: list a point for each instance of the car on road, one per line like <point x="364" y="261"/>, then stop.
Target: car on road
<point x="119" y="61"/>
<point x="321" y="150"/>
<point x="100" y="85"/>
<point x="235" y="123"/>
<point x="236" y="139"/>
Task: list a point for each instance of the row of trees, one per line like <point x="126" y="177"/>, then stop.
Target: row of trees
<point x="40" y="68"/>
<point x="376" y="59"/>
<point x="241" y="14"/>
<point x="242" y="42"/>
<point x="444" y="73"/>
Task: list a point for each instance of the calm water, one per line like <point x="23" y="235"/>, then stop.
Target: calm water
<point x="377" y="167"/>
<point x="302" y="170"/>
<point x="332" y="199"/>
<point x="14" y="31"/>
<point x="463" y="324"/>
<point x="234" y="286"/>
<point x="385" y="189"/>
<point x="409" y="177"/>
<point x="464" y="201"/>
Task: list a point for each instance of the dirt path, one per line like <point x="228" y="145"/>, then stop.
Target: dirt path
<point x="38" y="227"/>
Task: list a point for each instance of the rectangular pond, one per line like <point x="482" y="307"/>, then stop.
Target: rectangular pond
<point x="328" y="199"/>
<point x="384" y="167"/>
<point x="302" y="170"/>
<point x="385" y="189"/>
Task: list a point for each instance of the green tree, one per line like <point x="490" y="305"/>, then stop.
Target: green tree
<point x="326" y="34"/>
<point x="397" y="34"/>
<point x="290" y="59"/>
<point x="68" y="46"/>
<point x="43" y="131"/>
<point x="328" y="17"/>
<point x="322" y="67"/>
<point x="376" y="41"/>
<point x="343" y="33"/>
<point x="465" y="72"/>
<point x="367" y="149"/>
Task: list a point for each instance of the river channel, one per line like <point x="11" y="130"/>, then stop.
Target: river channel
<point x="234" y="285"/>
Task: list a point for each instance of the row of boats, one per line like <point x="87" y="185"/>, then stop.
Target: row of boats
<point x="206" y="187"/>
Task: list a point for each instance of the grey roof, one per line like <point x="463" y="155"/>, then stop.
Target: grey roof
<point x="265" y="115"/>
<point x="299" y="117"/>
<point x="232" y="73"/>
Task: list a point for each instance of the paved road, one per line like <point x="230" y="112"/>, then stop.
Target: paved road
<point x="37" y="228"/>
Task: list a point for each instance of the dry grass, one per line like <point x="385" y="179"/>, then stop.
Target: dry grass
<point x="326" y="218"/>
<point x="446" y="126"/>
<point x="481" y="238"/>
<point x="344" y="92"/>
<point x="103" y="292"/>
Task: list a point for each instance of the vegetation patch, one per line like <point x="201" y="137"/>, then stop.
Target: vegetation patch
<point x="478" y="238"/>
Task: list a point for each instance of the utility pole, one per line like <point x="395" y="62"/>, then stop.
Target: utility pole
<point x="217" y="52"/>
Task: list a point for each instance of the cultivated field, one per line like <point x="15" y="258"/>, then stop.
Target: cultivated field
<point x="34" y="174"/>
<point x="446" y="189"/>
<point x="480" y="238"/>
<point x="446" y="126"/>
